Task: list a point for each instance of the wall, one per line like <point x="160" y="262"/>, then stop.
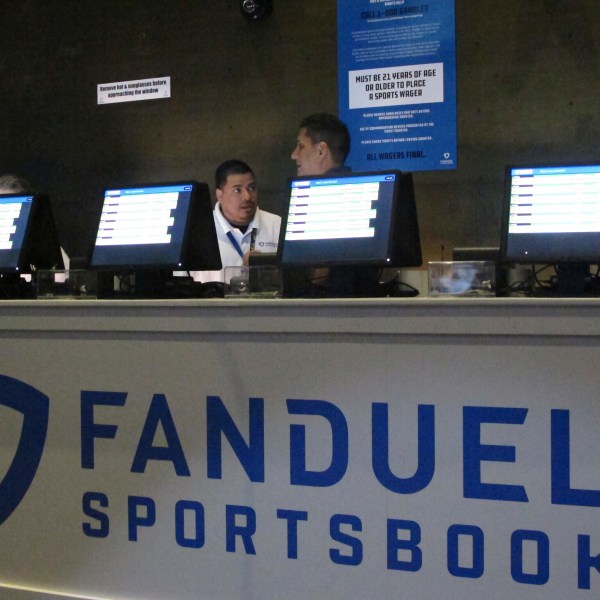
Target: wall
<point x="528" y="83"/>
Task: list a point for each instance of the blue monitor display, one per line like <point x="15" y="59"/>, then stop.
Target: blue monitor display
<point x="157" y="226"/>
<point x="552" y="214"/>
<point x="28" y="238"/>
<point x="351" y="219"/>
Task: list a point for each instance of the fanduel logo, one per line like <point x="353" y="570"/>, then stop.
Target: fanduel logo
<point x="34" y="406"/>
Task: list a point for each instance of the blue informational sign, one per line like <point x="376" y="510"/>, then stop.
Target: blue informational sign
<point x="397" y="83"/>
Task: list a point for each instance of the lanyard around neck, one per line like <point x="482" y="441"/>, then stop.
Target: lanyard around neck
<point x="235" y="244"/>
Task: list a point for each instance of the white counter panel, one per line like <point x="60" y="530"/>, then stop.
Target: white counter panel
<point x="236" y="449"/>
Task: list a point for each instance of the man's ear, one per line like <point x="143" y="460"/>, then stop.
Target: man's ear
<point x="323" y="150"/>
<point x="218" y="194"/>
<point x="325" y="157"/>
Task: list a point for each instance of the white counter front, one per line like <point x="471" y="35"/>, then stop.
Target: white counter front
<point x="220" y="449"/>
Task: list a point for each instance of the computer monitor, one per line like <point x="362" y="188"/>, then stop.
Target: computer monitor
<point x="366" y="218"/>
<point x="552" y="216"/>
<point x="28" y="237"/>
<point x="159" y="227"/>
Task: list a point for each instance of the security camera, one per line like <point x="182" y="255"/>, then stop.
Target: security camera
<point x="256" y="10"/>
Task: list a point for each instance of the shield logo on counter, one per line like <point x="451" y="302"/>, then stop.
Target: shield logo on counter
<point x="34" y="406"/>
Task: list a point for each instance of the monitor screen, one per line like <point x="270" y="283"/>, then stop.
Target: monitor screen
<point x="351" y="219"/>
<point x="28" y="238"/>
<point x="552" y="214"/>
<point x="157" y="226"/>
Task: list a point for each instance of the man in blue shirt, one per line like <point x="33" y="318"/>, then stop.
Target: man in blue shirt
<point x="322" y="146"/>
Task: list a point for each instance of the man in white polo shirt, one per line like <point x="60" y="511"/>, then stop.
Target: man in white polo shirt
<point x="242" y="228"/>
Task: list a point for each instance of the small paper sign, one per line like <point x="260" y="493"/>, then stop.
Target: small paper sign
<point x="132" y="91"/>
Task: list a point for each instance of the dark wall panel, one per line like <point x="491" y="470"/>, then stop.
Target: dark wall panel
<point x="528" y="83"/>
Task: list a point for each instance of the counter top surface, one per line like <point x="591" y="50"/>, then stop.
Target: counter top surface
<point x="382" y="316"/>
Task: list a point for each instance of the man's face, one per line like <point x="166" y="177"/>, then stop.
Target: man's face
<point x="238" y="198"/>
<point x="308" y="156"/>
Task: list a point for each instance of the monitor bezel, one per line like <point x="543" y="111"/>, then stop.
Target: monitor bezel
<point x="199" y="247"/>
<point x="403" y="244"/>
<point x="561" y="241"/>
<point x="41" y="246"/>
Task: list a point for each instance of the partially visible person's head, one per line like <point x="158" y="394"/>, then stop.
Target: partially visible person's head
<point x="236" y="190"/>
<point x="323" y="143"/>
<point x="13" y="184"/>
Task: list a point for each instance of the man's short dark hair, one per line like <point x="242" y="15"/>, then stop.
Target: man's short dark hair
<point x="323" y="127"/>
<point x="231" y="167"/>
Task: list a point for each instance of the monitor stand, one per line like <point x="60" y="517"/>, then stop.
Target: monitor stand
<point x="14" y="287"/>
<point x="572" y="280"/>
<point x="133" y="285"/>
